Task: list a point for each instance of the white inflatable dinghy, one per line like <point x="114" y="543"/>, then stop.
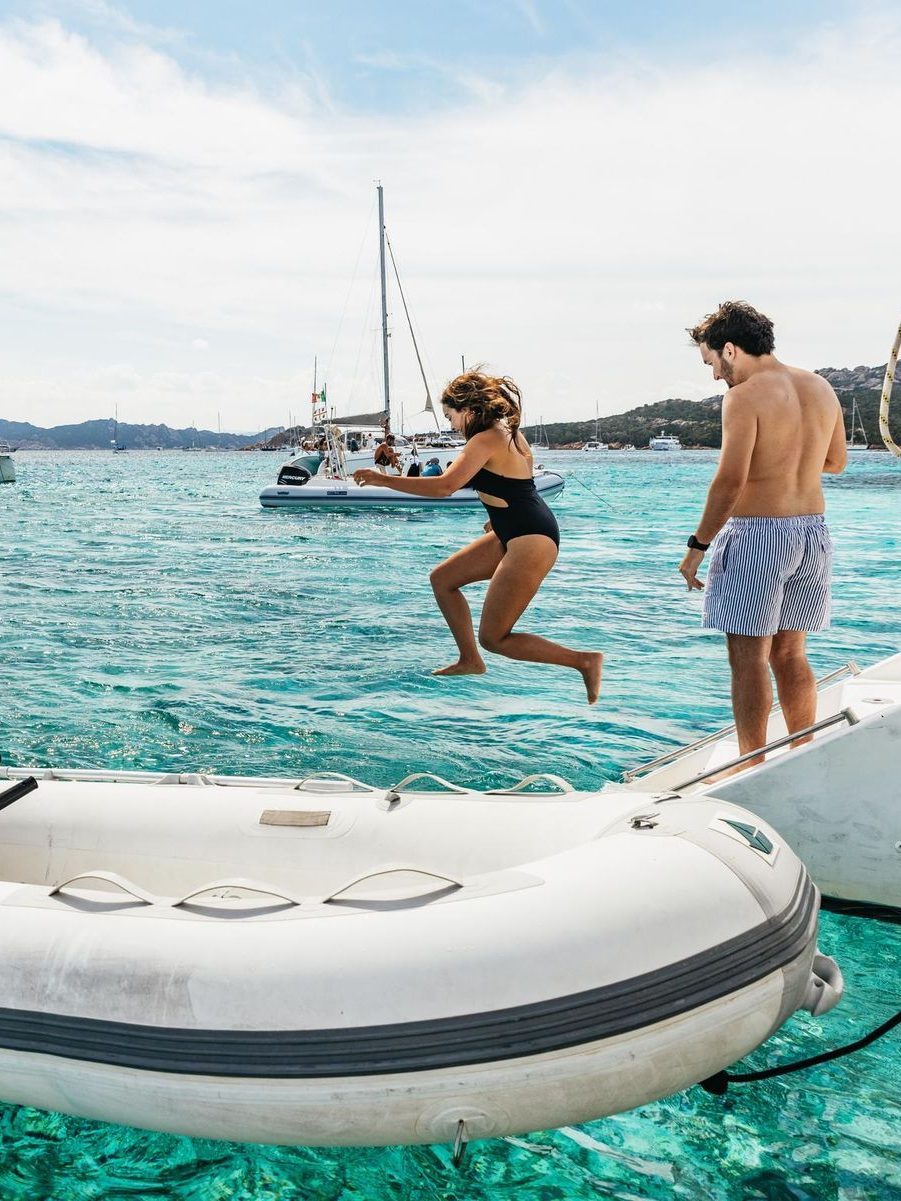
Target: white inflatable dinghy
<point x="343" y="493"/>
<point x="323" y="962"/>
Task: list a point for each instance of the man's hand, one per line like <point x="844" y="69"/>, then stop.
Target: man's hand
<point x="689" y="569"/>
<point x="365" y="475"/>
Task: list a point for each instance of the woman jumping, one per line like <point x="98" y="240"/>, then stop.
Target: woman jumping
<point x="521" y="537"/>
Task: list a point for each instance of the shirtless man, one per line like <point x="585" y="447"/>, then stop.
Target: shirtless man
<point x="769" y="578"/>
<point x="386" y="456"/>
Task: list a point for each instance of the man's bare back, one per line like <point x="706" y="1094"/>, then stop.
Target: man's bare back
<point x="799" y="432"/>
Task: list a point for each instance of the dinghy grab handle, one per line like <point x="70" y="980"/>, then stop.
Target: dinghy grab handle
<point x="308" y="783"/>
<point x="427" y="775"/>
<point x="239" y="882"/>
<point x="133" y="890"/>
<point x="390" y="870"/>
<point x="558" y="782"/>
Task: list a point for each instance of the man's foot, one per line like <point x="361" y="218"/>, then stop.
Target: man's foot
<point x="732" y="771"/>
<point x="463" y="667"/>
<point x="593" y="665"/>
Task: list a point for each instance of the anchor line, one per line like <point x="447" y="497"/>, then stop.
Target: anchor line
<point x="886" y="399"/>
<point x="719" y="1083"/>
<point x="572" y="475"/>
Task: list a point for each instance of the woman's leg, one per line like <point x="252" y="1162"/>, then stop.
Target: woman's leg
<point x="478" y="561"/>
<point x="528" y="560"/>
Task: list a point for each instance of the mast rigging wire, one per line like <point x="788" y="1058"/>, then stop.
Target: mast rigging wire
<point x="429" y="405"/>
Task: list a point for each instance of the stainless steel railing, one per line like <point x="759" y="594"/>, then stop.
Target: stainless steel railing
<point x="849" y="668"/>
<point x="824" y="724"/>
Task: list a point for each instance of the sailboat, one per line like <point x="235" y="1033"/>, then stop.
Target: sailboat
<point x="595" y="444"/>
<point x="116" y="446"/>
<point x="333" y="484"/>
<point x="541" y="439"/>
<point x="857" y="425"/>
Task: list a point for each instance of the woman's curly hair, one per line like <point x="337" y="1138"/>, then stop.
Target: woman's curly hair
<point x="486" y="400"/>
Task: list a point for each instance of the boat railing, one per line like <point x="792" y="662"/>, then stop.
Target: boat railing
<point x="844" y="715"/>
<point x="849" y="668"/>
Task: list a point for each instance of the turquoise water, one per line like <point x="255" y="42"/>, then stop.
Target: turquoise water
<point x="155" y="617"/>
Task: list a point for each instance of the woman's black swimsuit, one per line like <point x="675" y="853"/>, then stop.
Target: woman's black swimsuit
<point x="526" y="512"/>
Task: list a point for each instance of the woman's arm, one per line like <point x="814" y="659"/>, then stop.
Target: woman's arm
<point x="474" y="455"/>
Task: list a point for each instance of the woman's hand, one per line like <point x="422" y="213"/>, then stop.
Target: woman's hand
<point x="366" y="475"/>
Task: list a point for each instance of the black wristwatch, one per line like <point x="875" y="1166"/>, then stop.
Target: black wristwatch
<point x="694" y="544"/>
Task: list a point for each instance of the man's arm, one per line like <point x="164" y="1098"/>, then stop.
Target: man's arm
<point x="837" y="454"/>
<point x="739" y="437"/>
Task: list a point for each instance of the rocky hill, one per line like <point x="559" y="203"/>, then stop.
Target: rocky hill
<point x="697" y="422"/>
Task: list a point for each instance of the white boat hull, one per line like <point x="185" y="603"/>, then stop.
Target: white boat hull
<point x="347" y="494"/>
<point x="375" y="982"/>
<point x="7" y="469"/>
<point x="836" y="799"/>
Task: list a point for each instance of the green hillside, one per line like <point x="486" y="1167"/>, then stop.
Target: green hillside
<point x="697" y="422"/>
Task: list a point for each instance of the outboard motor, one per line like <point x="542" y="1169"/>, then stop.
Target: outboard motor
<point x="293" y="473"/>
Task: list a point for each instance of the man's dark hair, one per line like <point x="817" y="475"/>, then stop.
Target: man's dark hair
<point x="739" y="323"/>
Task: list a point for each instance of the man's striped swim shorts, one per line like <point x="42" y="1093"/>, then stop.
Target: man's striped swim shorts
<point x="769" y="574"/>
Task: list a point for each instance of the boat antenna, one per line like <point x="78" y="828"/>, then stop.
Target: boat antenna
<point x="885" y="402"/>
<point x="429" y="404"/>
<point x="384" y="280"/>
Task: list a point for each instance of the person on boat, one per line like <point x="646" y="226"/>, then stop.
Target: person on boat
<point x="521" y="541"/>
<point x="386" y="456"/>
<point x="432" y="468"/>
<point x="768" y="584"/>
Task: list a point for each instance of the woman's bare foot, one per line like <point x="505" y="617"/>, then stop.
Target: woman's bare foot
<point x="463" y="667"/>
<point x="593" y="665"/>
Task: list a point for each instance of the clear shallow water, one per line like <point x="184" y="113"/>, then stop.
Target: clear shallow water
<point x="155" y="617"/>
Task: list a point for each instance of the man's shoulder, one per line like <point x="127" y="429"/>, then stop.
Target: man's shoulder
<point x="811" y="381"/>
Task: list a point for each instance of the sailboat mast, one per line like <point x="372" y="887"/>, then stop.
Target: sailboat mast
<point x="384" y="279"/>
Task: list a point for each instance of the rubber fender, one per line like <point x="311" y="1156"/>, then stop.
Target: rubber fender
<point x="825" y="986"/>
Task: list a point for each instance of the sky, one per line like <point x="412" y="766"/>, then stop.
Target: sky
<point x="188" y="217"/>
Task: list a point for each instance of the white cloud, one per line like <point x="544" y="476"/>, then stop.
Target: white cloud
<point x="565" y="231"/>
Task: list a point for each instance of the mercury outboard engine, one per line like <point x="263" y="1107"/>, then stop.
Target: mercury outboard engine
<point x="293" y="473"/>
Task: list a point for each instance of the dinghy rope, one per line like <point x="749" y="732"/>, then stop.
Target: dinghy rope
<point x="886" y="399"/>
<point x="719" y="1083"/>
<point x="572" y="475"/>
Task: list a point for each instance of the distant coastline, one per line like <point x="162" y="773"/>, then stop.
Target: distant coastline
<point x="695" y="422"/>
<point x="100" y="433"/>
